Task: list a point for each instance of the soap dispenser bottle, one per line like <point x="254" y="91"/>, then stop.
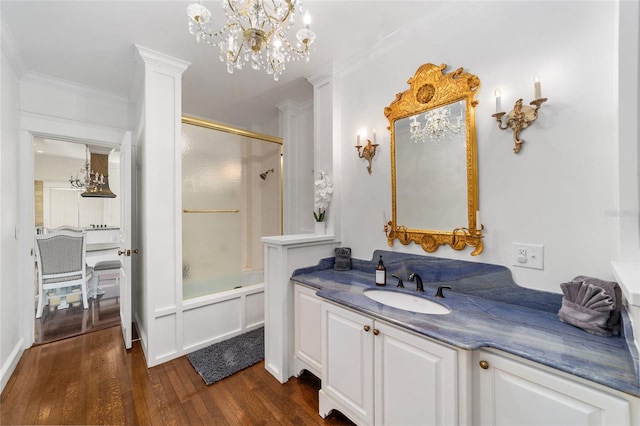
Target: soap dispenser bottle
<point x="381" y="273"/>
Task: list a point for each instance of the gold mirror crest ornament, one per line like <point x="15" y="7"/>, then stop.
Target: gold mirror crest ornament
<point x="432" y="91"/>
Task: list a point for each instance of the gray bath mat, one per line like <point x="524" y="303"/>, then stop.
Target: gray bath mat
<point x="222" y="359"/>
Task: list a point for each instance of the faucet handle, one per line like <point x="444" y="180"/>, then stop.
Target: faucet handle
<point x="439" y="294"/>
<point x="400" y="284"/>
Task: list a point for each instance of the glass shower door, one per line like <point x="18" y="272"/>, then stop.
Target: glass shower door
<point x="211" y="220"/>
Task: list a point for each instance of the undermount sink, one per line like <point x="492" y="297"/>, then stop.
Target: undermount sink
<point x="406" y="301"/>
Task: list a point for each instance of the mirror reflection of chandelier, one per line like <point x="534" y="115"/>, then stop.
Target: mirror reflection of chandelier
<point x="255" y="32"/>
<point x="91" y="181"/>
<point x="437" y="125"/>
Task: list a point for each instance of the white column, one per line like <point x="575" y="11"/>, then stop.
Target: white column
<point x="282" y="255"/>
<point x="627" y="267"/>
<point x="326" y="135"/>
<point x="160" y="205"/>
<point x="296" y="128"/>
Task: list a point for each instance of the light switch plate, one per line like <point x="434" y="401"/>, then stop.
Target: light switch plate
<point x="528" y="255"/>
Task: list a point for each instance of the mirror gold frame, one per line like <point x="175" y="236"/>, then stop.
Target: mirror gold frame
<point x="430" y="88"/>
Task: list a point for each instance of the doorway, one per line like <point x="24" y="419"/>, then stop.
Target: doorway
<point x="59" y="167"/>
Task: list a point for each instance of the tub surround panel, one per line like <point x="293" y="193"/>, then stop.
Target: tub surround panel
<point x="228" y="322"/>
<point x="217" y="317"/>
<point x="254" y="309"/>
<point x="487" y="310"/>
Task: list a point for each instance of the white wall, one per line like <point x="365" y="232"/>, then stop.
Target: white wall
<point x="11" y="335"/>
<point x="559" y="189"/>
<point x="41" y="94"/>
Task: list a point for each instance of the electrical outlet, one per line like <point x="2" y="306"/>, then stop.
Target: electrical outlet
<point x="528" y="255"/>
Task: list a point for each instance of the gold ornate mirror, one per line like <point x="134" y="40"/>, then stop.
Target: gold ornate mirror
<point x="434" y="169"/>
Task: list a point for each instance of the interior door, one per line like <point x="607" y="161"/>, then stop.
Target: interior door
<point x="125" y="251"/>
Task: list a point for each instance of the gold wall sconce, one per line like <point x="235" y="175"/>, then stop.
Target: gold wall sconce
<point x="369" y="150"/>
<point x="521" y="116"/>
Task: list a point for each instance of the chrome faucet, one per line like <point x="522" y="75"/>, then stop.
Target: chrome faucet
<point x="416" y="277"/>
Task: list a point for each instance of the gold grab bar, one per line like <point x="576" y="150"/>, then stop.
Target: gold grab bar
<point x="210" y="211"/>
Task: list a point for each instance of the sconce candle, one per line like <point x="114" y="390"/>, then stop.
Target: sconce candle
<point x="498" y="94"/>
<point x="369" y="150"/>
<point x="478" y="219"/>
<point x="358" y="138"/>
<point x="521" y="116"/>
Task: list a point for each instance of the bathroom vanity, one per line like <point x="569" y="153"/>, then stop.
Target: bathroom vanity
<point x="500" y="356"/>
<point x="102" y="244"/>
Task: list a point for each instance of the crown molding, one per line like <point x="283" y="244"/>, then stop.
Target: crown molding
<point x="162" y="60"/>
<point x="55" y="82"/>
<point x="8" y="44"/>
<point x="328" y="70"/>
<point x="289" y="105"/>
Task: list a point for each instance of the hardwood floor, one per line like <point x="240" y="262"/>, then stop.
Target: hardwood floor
<point x="56" y="324"/>
<point x="92" y="379"/>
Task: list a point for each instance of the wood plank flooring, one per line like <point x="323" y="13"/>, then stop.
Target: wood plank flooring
<point x="92" y="379"/>
<point x="103" y="312"/>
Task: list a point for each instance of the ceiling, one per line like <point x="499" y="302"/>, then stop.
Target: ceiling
<point x="56" y="148"/>
<point x="92" y="43"/>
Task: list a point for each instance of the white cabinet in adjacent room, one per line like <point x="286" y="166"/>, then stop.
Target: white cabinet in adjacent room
<point x="307" y="342"/>
<point x="513" y="392"/>
<point x="375" y="373"/>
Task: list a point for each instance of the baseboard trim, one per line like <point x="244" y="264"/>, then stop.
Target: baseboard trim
<point x="9" y="366"/>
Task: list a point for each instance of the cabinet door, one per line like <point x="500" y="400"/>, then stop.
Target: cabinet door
<point x="347" y="363"/>
<point x="307" y="326"/>
<point x="416" y="379"/>
<point x="513" y="393"/>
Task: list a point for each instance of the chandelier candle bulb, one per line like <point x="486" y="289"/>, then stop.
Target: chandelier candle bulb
<point x="255" y="32"/>
<point x="538" y="90"/>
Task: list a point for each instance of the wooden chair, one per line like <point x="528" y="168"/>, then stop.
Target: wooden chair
<point x="61" y="259"/>
<point x="63" y="228"/>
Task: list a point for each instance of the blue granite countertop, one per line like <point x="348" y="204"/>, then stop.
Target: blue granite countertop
<point x="488" y="309"/>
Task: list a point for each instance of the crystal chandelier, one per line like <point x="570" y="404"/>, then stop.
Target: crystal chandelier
<point x="255" y="32"/>
<point x="437" y="125"/>
<point x="91" y="181"/>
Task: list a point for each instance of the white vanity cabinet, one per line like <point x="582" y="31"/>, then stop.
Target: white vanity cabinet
<point x="307" y="351"/>
<point x="512" y="391"/>
<point x="375" y="373"/>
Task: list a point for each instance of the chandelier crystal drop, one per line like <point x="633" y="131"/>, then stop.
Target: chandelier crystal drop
<point x="255" y="32"/>
<point x="437" y="125"/>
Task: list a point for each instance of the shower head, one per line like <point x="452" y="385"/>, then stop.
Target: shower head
<point x="263" y="176"/>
